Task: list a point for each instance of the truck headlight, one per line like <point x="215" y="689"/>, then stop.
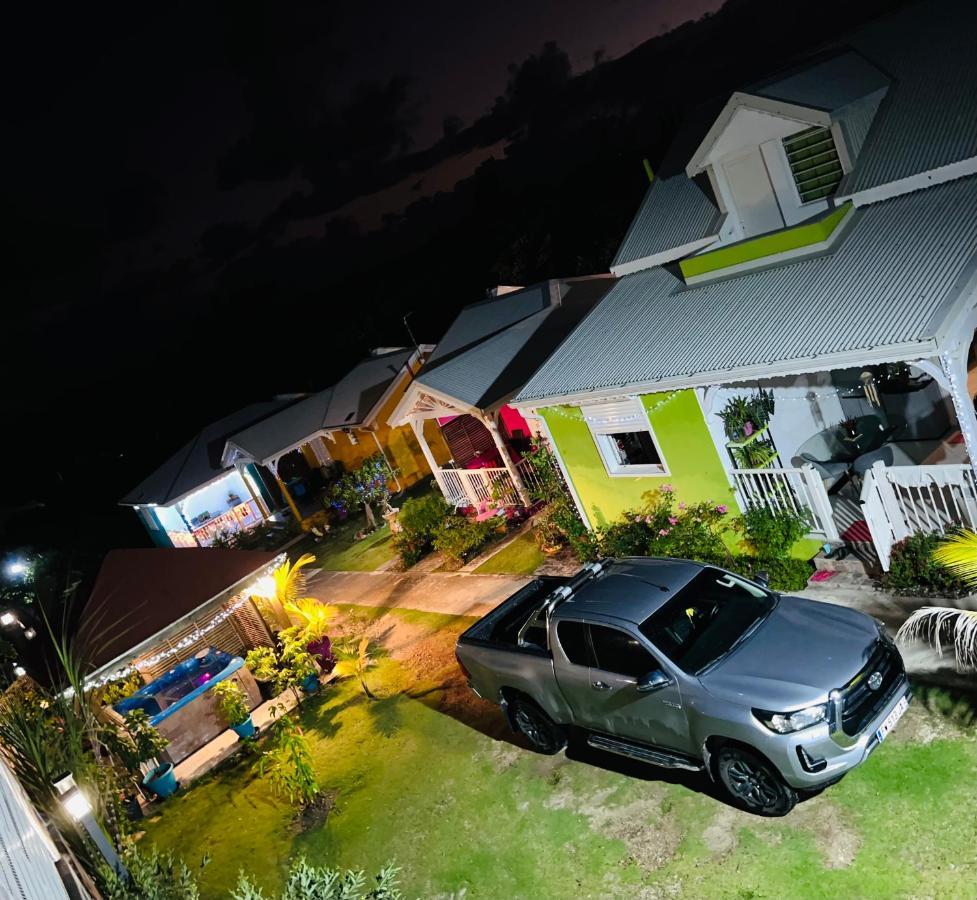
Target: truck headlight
<point x="788" y="723"/>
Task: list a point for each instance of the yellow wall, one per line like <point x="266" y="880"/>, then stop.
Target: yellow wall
<point x="399" y="444"/>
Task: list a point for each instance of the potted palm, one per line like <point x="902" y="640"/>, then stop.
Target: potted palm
<point x="232" y="707"/>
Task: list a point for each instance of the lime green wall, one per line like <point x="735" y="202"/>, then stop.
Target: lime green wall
<point x="695" y="469"/>
<point x="781" y="241"/>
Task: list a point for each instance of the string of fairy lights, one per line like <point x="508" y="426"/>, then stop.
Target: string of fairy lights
<point x="187" y="640"/>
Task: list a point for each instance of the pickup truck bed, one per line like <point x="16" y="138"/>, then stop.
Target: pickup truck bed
<point x="500" y="628"/>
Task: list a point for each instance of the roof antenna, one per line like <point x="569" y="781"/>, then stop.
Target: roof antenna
<point x="410" y="333"/>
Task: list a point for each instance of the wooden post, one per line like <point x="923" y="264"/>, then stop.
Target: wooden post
<point x="273" y="466"/>
<point x="507" y="460"/>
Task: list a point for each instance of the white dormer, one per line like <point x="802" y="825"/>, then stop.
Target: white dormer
<point x="771" y="164"/>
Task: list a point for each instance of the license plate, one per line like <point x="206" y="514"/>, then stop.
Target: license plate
<point x="890" y="720"/>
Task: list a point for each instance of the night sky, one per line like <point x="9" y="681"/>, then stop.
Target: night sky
<point x="209" y="204"/>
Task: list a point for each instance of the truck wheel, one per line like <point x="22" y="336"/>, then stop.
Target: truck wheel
<point x="545" y="736"/>
<point x="753" y="783"/>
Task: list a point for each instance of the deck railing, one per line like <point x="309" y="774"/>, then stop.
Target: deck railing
<point x="470" y="487"/>
<point x="799" y="491"/>
<point x="898" y="501"/>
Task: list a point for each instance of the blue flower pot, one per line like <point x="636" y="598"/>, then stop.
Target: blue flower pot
<point x="244" y="729"/>
<point x="161" y="781"/>
<point x="311" y="684"/>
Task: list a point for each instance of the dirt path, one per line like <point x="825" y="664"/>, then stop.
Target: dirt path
<point x="457" y="593"/>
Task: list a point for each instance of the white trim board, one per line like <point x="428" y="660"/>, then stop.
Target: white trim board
<point x="951" y="172"/>
<point x="904" y="352"/>
<point x="666" y="256"/>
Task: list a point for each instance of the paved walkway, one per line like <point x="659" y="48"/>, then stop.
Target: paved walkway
<point x="454" y="593"/>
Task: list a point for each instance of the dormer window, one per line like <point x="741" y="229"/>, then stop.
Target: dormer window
<point x="814" y="164"/>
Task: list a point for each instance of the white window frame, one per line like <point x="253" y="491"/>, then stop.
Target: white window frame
<point x="605" y="419"/>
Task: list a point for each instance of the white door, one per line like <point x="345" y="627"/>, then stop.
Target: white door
<point x="753" y="193"/>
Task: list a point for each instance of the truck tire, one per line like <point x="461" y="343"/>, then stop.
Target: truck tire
<point x="753" y="783"/>
<point x="539" y="729"/>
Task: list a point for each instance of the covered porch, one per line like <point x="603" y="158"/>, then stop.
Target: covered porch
<point x="488" y="466"/>
<point x="867" y="455"/>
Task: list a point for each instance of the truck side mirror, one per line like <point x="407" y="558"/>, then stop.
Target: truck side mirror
<point x="762" y="577"/>
<point x="654" y="680"/>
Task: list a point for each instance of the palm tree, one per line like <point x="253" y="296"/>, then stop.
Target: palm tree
<point x="290" y="584"/>
<point x="314" y="618"/>
<point x="940" y="625"/>
<point x="354" y="660"/>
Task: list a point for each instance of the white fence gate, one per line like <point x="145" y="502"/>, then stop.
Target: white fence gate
<point x="799" y="491"/>
<point x="898" y="501"/>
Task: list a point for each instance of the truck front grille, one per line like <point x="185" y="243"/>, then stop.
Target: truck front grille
<point x="859" y="702"/>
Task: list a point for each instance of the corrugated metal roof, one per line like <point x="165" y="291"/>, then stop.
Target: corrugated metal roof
<point x="199" y="461"/>
<point x="674" y="212"/>
<point x="828" y="85"/>
<point x="267" y="439"/>
<point x="357" y="393"/>
<point x="479" y="320"/>
<point x="490" y="371"/>
<point x="467" y="376"/>
<point x="344" y="405"/>
<point x="929" y="117"/>
<point x="886" y="282"/>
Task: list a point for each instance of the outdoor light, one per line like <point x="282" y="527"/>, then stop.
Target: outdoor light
<point x="7" y="618"/>
<point x="30" y="634"/>
<point x="79" y="810"/>
<point x="20" y="671"/>
<point x="16" y="567"/>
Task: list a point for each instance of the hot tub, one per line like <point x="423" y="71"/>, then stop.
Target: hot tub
<point x="180" y="706"/>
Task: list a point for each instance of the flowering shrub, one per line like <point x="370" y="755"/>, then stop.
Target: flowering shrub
<point x="420" y="519"/>
<point x="362" y="487"/>
<point x="458" y="538"/>
<point x="666" y="528"/>
<point x="559" y="524"/>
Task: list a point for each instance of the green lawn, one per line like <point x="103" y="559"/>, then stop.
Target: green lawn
<point x="521" y="557"/>
<point x="415" y="779"/>
<point x="339" y="551"/>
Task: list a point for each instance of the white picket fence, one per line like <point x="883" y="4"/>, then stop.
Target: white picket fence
<point x="898" y="501"/>
<point x="799" y="491"/>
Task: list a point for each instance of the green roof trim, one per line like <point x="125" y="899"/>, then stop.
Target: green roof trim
<point x="783" y="241"/>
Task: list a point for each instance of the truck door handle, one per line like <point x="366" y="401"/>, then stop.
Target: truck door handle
<point x="600" y="685"/>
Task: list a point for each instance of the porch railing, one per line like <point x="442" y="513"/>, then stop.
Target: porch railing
<point x="470" y="487"/>
<point x="898" y="501"/>
<point x="799" y="491"/>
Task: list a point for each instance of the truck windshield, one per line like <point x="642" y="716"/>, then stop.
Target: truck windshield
<point x="705" y="620"/>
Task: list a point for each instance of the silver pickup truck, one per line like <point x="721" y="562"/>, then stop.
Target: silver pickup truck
<point x="688" y="666"/>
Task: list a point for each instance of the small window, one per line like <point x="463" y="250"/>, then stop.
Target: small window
<point x="619" y="652"/>
<point x="813" y="160"/>
<point x="573" y="640"/>
<point x="624" y="438"/>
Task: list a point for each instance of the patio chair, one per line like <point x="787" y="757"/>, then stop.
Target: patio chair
<point x="833" y="474"/>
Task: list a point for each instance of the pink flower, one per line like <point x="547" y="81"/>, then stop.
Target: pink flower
<point x="667" y="489"/>
<point x="638" y="518"/>
<point x="722" y="509"/>
<point x="663" y="531"/>
<point x="648" y="520"/>
<point x="672" y="520"/>
<point x="681" y="505"/>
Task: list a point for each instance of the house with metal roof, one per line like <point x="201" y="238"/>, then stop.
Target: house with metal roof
<point x="194" y="496"/>
<point x="340" y="426"/>
<point x="796" y="302"/>
<point x="487" y="355"/>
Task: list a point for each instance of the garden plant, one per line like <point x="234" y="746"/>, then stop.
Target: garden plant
<point x="364" y="487"/>
<point x="288" y="764"/>
<point x="354" y="657"/>
<point x="957" y="556"/>
<point x="232" y="705"/>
